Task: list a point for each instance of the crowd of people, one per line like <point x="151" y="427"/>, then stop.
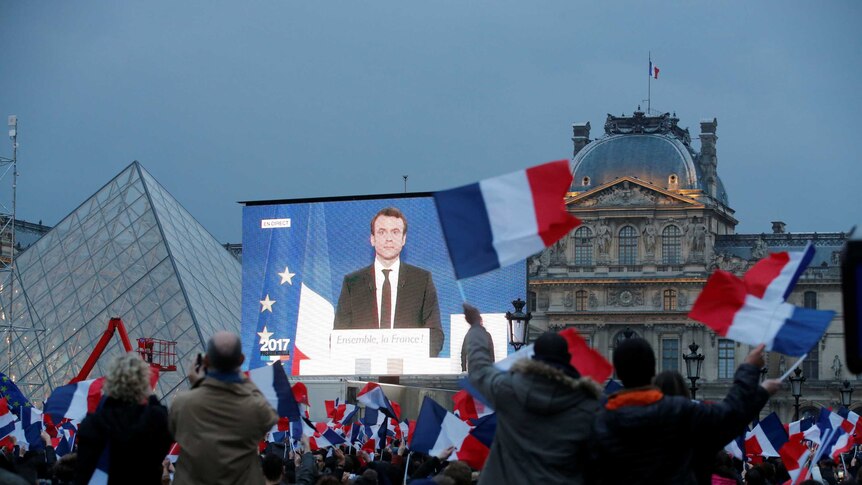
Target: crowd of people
<point x="553" y="426"/>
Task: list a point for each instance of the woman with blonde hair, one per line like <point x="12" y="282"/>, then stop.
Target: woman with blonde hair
<point x="129" y="423"/>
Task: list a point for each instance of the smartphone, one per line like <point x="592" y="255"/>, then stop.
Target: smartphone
<point x="199" y="361"/>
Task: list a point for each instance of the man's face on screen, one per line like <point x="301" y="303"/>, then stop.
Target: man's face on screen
<point x="388" y="237"/>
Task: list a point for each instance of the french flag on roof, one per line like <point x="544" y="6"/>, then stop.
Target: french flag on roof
<point x="372" y="396"/>
<point x="502" y="220"/>
<point x="766" y="438"/>
<point x="732" y="308"/>
<point x="794" y="455"/>
<point x="274" y="385"/>
<point x="75" y="401"/>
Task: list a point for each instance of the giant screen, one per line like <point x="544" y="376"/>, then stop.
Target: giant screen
<point x="316" y="296"/>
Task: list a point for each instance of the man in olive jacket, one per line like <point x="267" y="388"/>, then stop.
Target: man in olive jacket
<point x="220" y="421"/>
<point x="544" y="411"/>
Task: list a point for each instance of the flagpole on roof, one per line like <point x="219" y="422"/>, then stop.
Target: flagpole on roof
<point x="649" y="84"/>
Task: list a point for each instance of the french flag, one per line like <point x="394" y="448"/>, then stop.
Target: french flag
<point x="7" y="419"/>
<point x="505" y="219"/>
<point x="775" y="276"/>
<point x="437" y="429"/>
<point x="804" y="429"/>
<point x="320" y="435"/>
<point x="173" y="453"/>
<point x="736" y="448"/>
<point x="728" y="306"/>
<point x="477" y="445"/>
<point x="794" y="455"/>
<point x="75" y="401"/>
<point x="851" y="420"/>
<point x="653" y="70"/>
<point x="766" y="438"/>
<point x="372" y="396"/>
<point x="274" y="385"/>
<point x="469" y="409"/>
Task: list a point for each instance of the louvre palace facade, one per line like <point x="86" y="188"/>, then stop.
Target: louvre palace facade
<point x="656" y="223"/>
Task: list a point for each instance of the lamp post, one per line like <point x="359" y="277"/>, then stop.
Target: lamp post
<point x="796" y="381"/>
<point x="763" y="373"/>
<point x="519" y="324"/>
<point x="846" y="391"/>
<point x="693" y="364"/>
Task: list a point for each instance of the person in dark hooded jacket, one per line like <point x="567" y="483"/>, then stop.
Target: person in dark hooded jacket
<point x="130" y="423"/>
<point x="544" y="411"/>
<point x="646" y="437"/>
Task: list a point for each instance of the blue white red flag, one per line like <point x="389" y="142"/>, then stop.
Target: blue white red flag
<point x="766" y="438"/>
<point x="469" y="409"/>
<point x="75" y="401"/>
<point x="477" y="445"/>
<point x="851" y="422"/>
<point x="653" y="70"/>
<point x="14" y="396"/>
<point x="7" y="419"/>
<point x="505" y="219"/>
<point x="736" y="448"/>
<point x="804" y="429"/>
<point x="173" y="453"/>
<point x="753" y="311"/>
<point x="794" y="455"/>
<point x="274" y="385"/>
<point x="372" y="396"/>
<point x="437" y="429"/>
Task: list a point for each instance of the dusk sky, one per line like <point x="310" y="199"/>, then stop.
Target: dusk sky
<point x="228" y="101"/>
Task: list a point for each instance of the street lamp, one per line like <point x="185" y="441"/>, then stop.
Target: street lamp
<point x="763" y="373"/>
<point x="796" y="381"/>
<point x="846" y="391"/>
<point x="693" y="364"/>
<point x="519" y="325"/>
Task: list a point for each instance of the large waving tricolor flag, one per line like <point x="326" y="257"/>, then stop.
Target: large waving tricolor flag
<point x="794" y="455"/>
<point x="753" y="310"/>
<point x="7" y="419"/>
<point x="437" y="429"/>
<point x="469" y="409"/>
<point x="502" y="220"/>
<point x="74" y="401"/>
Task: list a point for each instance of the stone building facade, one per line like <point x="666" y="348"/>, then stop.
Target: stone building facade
<point x="656" y="223"/>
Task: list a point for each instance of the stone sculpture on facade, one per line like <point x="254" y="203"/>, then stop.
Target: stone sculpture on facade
<point x="603" y="240"/>
<point x="650" y="233"/>
<point x="760" y="249"/>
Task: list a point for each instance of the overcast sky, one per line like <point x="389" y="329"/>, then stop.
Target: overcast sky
<point x="225" y="101"/>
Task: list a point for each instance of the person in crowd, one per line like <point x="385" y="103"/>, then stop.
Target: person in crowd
<point x="651" y="433"/>
<point x="219" y="422"/>
<point x="130" y="426"/>
<point x="544" y="410"/>
<point x="273" y="469"/>
<point x="671" y="383"/>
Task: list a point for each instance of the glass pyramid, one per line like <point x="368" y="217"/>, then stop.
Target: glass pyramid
<point x="130" y="251"/>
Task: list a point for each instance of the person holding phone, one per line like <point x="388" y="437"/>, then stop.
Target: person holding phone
<point x="219" y="422"/>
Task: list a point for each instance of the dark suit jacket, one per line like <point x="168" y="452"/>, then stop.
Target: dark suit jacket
<point x="416" y="306"/>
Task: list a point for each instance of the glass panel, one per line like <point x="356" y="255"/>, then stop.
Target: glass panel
<point x="583" y="246"/>
<point x="726" y="354"/>
<point x="670" y="354"/>
<point x="671" y="245"/>
<point x="628" y="245"/>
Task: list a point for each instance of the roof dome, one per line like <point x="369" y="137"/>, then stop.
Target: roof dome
<point x="651" y="148"/>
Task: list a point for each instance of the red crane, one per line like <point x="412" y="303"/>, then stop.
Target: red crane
<point x="161" y="354"/>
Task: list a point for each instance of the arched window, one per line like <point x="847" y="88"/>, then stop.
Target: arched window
<point x="583" y="246"/>
<point x="810" y="299"/>
<point x="671" y="245"/>
<point x="585" y="181"/>
<point x="672" y="181"/>
<point x="581" y="301"/>
<point x="669" y="300"/>
<point x="628" y="248"/>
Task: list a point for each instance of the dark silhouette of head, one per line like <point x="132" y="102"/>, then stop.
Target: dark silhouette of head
<point x="273" y="467"/>
<point x="552" y="349"/>
<point x="634" y="362"/>
<point x="671" y="383"/>
<point x="224" y="352"/>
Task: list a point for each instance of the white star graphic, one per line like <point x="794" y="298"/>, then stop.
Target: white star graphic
<point x="266" y="304"/>
<point x="265" y="335"/>
<point x="287" y="276"/>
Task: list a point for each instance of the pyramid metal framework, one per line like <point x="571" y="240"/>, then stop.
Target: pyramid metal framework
<point x="131" y="251"/>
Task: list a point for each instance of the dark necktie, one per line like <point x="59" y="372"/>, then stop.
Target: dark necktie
<point x="386" y="301"/>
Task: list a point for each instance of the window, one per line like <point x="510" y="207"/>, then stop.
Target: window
<point x="628" y="249"/>
<point x="671" y="245"/>
<point x="669" y="300"/>
<point x="583" y="246"/>
<point x="531" y="301"/>
<point x="726" y="357"/>
<point x="810" y="299"/>
<point x="580" y="300"/>
<point x="811" y="364"/>
<point x="670" y="354"/>
<point x="585" y="181"/>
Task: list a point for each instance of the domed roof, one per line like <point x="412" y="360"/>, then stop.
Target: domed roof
<point x="651" y="148"/>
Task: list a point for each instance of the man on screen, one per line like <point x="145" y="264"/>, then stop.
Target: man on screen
<point x="389" y="293"/>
